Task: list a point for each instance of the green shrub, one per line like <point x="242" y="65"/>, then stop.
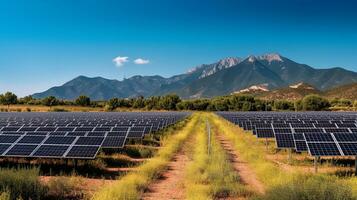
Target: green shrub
<point x="315" y="103"/>
<point x="4" y="195"/>
<point x="22" y="183"/>
<point x="64" y="188"/>
<point x="59" y="110"/>
<point x="307" y="187"/>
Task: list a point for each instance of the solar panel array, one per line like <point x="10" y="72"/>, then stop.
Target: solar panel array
<point x="319" y="133"/>
<point x="76" y="135"/>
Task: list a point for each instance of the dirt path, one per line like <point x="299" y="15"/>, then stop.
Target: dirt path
<point x="246" y="174"/>
<point x="171" y="185"/>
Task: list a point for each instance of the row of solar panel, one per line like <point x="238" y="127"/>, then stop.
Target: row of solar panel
<point x="66" y="141"/>
<point x="322" y="140"/>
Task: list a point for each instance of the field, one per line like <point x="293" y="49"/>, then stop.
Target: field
<point x="202" y="156"/>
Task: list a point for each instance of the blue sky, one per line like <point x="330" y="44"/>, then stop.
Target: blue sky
<point x="46" y="43"/>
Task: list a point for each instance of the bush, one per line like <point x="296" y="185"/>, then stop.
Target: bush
<point x="22" y="183"/>
<point x="82" y="101"/>
<point x="283" y="105"/>
<point x="307" y="187"/>
<point x="59" y="110"/>
<point x="314" y="103"/>
<point x="64" y="188"/>
<point x="50" y="101"/>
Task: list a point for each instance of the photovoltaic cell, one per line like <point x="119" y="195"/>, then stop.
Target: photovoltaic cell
<point x="21" y="150"/>
<point x="4" y="147"/>
<point x="83" y="152"/>
<point x="8" y="138"/>
<point x="285" y="140"/>
<point x="349" y="149"/>
<point x="265" y="133"/>
<point x="301" y="146"/>
<point x="346" y="137"/>
<point x="113" y="142"/>
<point x="59" y="140"/>
<point x="321" y="137"/>
<point x="90" y="141"/>
<point x="323" y="149"/>
<point x="31" y="139"/>
<point x="51" y="151"/>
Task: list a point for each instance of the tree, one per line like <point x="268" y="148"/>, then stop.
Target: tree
<point x="315" y="103"/>
<point x="50" y="101"/>
<point x="112" y="104"/>
<point x="8" y="98"/>
<point x="283" y="105"/>
<point x="82" y="101"/>
<point x="139" y="102"/>
<point x="169" y="102"/>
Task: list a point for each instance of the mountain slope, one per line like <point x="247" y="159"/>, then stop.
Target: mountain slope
<point x="293" y="92"/>
<point x="246" y="73"/>
<point x="221" y="78"/>
<point x="346" y="91"/>
<point x="101" y="89"/>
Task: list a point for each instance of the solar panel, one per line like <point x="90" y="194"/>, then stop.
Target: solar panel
<point x="321" y="137"/>
<point x="117" y="133"/>
<point x="84" y="129"/>
<point x="65" y="129"/>
<point x="285" y="140"/>
<point x="31" y="139"/>
<point x="96" y="133"/>
<point x="21" y="150"/>
<point x="51" y="151"/>
<point x="349" y="149"/>
<point x="82" y="152"/>
<point x="75" y="135"/>
<point x="321" y="133"/>
<point x="282" y="130"/>
<point x="346" y="137"/>
<point x="113" y="142"/>
<point x="59" y="140"/>
<point x="46" y="129"/>
<point x="323" y="149"/>
<point x="97" y="141"/>
<point x="264" y="133"/>
<point x="4" y="147"/>
<point x="8" y="138"/>
<point x="300" y="146"/>
<point x="28" y="128"/>
<point x="10" y="128"/>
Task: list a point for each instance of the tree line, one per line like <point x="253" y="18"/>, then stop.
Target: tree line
<point x="174" y="102"/>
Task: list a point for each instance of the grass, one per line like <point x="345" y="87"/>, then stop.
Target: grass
<point x="133" y="184"/>
<point x="282" y="184"/>
<point x="21" y="183"/>
<point x="211" y="176"/>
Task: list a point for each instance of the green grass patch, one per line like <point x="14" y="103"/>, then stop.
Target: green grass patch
<point x="21" y="183"/>
<point x="211" y="176"/>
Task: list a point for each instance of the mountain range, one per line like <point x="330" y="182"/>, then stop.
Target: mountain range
<point x="224" y="77"/>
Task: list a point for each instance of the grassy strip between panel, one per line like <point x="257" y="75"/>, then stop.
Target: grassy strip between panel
<point x="133" y="184"/>
<point x="211" y="176"/>
<point x="281" y="184"/>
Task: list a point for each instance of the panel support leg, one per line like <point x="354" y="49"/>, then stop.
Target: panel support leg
<point x="266" y="144"/>
<point x="290" y="157"/>
<point x="315" y="163"/>
<point x="356" y="166"/>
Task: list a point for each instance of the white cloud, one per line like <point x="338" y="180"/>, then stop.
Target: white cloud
<point x="119" y="61"/>
<point x="140" y="61"/>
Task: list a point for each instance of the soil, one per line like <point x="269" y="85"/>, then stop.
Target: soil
<point x="246" y="174"/>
